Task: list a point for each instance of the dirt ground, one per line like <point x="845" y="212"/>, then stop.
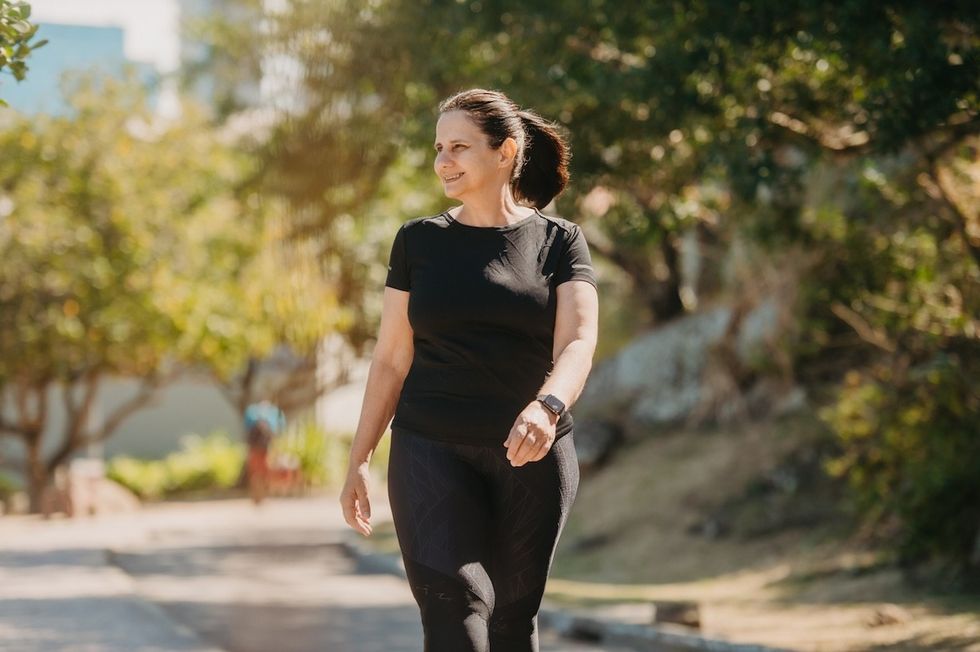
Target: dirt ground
<point x="638" y="533"/>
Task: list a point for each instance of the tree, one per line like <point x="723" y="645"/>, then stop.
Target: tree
<point x="125" y="250"/>
<point x="16" y="33"/>
<point x="845" y="130"/>
<point x="681" y="117"/>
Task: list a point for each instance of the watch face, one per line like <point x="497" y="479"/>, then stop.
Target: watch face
<point x="553" y="404"/>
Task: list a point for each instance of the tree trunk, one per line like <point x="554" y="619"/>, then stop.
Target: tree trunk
<point x="665" y="293"/>
<point x="37" y="477"/>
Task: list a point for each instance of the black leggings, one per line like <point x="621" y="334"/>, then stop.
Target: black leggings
<point x="478" y="537"/>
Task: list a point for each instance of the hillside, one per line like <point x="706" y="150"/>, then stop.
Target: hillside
<point x="745" y="523"/>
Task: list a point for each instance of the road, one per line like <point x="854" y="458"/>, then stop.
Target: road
<point x="259" y="582"/>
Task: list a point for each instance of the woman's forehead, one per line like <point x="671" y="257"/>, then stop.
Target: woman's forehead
<point x="456" y="125"/>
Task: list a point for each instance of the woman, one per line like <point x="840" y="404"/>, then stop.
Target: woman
<point x="487" y="334"/>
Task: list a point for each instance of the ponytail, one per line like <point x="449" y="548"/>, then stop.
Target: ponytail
<point x="541" y="166"/>
<point x="543" y="173"/>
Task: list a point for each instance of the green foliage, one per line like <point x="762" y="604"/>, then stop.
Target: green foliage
<point x="910" y="449"/>
<point x="16" y="33"/>
<point x="128" y="247"/>
<point x="323" y="456"/>
<point x="206" y="463"/>
<point x="133" y="225"/>
<point x="7" y="488"/>
<point x="214" y="462"/>
<point x="702" y="115"/>
<point x="145" y="478"/>
<point x="310" y="448"/>
<point x="147" y="250"/>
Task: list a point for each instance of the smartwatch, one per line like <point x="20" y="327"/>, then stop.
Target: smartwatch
<point x="552" y="403"/>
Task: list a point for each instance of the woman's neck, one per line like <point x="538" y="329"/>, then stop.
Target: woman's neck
<point x="493" y="210"/>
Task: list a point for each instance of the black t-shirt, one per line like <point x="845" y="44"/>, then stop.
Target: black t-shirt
<point x="482" y="306"/>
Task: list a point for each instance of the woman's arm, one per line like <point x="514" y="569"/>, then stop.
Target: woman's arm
<point x="390" y="363"/>
<point x="576" y="330"/>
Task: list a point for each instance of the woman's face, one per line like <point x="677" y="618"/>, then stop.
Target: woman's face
<point x="465" y="162"/>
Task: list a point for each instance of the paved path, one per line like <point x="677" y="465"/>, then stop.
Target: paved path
<point x="204" y="577"/>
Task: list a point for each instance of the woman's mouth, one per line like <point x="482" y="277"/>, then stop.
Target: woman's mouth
<point x="453" y="178"/>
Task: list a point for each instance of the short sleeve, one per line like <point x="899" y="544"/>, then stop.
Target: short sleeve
<point x="398" y="276"/>
<point x="575" y="263"/>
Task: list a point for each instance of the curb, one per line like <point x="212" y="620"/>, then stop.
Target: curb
<point x="572" y="625"/>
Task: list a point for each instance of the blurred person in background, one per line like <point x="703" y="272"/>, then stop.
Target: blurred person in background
<point x="263" y="421"/>
<point x="487" y="333"/>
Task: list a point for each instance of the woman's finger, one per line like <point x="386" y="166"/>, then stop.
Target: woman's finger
<point x="528" y="444"/>
<point x="360" y="523"/>
<point x="352" y="512"/>
<point x="541" y="451"/>
<point x="364" y="504"/>
<point x="351" y="516"/>
<point x="513" y="443"/>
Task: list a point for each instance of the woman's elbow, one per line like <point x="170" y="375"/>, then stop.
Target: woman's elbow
<point x="394" y="360"/>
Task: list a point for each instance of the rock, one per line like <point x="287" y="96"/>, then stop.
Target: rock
<point x="683" y="613"/>
<point x="661" y="379"/>
<point x="771" y="397"/>
<point x="83" y="490"/>
<point x="594" y="439"/>
<point x="655" y="379"/>
<point x="888" y="614"/>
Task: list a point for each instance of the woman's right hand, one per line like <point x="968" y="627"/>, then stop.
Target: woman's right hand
<point x="354" y="499"/>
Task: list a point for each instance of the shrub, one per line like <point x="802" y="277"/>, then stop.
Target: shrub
<point x="7" y="488"/>
<point x="213" y="462"/>
<point x="307" y="444"/>
<point x="910" y="450"/>
<point x="322" y="456"/>
<point x="145" y="478"/>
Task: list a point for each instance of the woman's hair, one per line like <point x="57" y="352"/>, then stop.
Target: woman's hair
<point x="541" y="165"/>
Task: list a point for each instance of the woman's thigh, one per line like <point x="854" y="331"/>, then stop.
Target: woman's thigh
<point x="531" y="506"/>
<point x="467" y="512"/>
<point x="442" y="511"/>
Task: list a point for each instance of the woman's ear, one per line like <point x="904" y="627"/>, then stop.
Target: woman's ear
<point x="507" y="151"/>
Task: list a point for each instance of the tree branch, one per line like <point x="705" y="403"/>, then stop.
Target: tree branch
<point x="300" y="389"/>
<point x="148" y="391"/>
<point x="77" y="419"/>
<point x="842" y="142"/>
<point x="848" y="142"/>
<point x="31" y="425"/>
<point x="864" y="330"/>
<point x="958" y="217"/>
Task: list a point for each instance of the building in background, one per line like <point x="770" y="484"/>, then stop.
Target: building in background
<point x="103" y="35"/>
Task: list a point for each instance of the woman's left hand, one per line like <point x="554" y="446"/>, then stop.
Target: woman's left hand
<point x="532" y="434"/>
